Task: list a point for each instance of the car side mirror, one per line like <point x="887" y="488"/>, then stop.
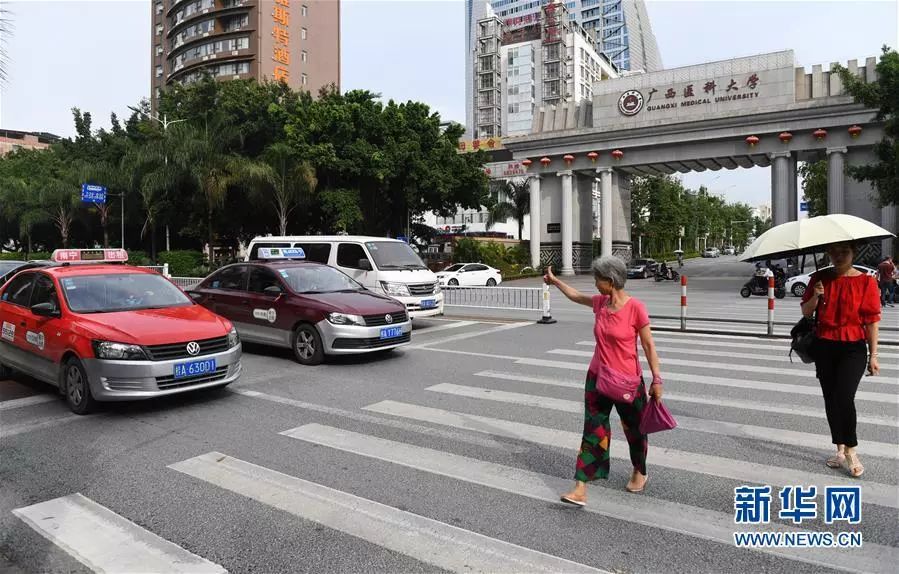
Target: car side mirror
<point x="194" y="295"/>
<point x="45" y="310"/>
<point x="365" y="264"/>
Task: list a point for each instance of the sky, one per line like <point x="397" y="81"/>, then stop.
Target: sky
<point x="95" y="55"/>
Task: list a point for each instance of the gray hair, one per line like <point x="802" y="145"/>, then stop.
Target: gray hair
<point x="611" y="268"/>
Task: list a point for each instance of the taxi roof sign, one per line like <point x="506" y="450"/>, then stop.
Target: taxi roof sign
<point x="89" y="256"/>
<point x="282" y="253"/>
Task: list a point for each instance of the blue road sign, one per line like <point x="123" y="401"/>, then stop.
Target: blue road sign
<point x="93" y="193"/>
<point x="803" y="206"/>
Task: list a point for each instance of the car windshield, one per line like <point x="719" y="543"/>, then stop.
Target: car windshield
<point x="121" y="292"/>
<point x="318" y="279"/>
<point x="394" y="255"/>
<point x="638" y="262"/>
<point x="455" y="267"/>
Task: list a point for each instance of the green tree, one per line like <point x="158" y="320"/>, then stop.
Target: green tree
<point x="512" y="200"/>
<point x="814" y="186"/>
<point x="882" y="95"/>
<point x="289" y="181"/>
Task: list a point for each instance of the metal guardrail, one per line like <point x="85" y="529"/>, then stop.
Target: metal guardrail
<point x="186" y="282"/>
<point x="518" y="298"/>
<point x="161" y="269"/>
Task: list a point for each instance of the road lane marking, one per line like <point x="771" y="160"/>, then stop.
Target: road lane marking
<point x="614" y="503"/>
<point x="797" y="410"/>
<point x="724" y="428"/>
<point x="472" y="335"/>
<point x="436" y="543"/>
<point x="27" y="402"/>
<point x="453" y="325"/>
<point x="13" y="430"/>
<point x="875" y="493"/>
<point x="106" y="542"/>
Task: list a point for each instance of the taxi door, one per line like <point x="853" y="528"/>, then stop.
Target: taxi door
<point x="45" y="334"/>
<point x="266" y="300"/>
<point x="14" y="315"/>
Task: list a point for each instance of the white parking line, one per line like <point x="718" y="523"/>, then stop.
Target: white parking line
<point x="648" y="511"/>
<point x="875" y="493"/>
<point x="105" y="542"/>
<point x="725" y="428"/>
<point x="436" y="543"/>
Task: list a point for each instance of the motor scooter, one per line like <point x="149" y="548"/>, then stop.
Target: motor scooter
<point x="758" y="285"/>
<point x="672" y="275"/>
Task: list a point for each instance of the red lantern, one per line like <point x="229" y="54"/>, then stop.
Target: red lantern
<point x="820" y="134"/>
<point x="526" y="163"/>
<point x="785" y="137"/>
<point x="545" y="161"/>
<point x="855" y="131"/>
<point x="618" y="154"/>
<point x="593" y="155"/>
<point x="752" y="141"/>
<point x="568" y="159"/>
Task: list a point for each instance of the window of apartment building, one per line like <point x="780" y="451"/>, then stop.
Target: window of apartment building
<point x="159" y="7"/>
<point x="304" y="56"/>
<point x="159" y="29"/>
<point x="304" y="79"/>
<point x="237" y="23"/>
<point x="158" y="49"/>
<point x="158" y="71"/>
<point x="304" y="11"/>
<point x="303" y="33"/>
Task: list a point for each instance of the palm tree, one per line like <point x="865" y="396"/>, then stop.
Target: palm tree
<point x="20" y="203"/>
<point x="5" y="30"/>
<point x="290" y="180"/>
<point x="59" y="198"/>
<point x="147" y="174"/>
<point x="101" y="173"/>
<point x="513" y="201"/>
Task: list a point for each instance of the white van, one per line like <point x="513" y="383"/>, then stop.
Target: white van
<point x="381" y="264"/>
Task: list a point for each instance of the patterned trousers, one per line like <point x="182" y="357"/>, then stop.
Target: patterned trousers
<point x="593" y="459"/>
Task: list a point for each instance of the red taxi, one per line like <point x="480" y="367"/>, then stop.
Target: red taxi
<point x="311" y="308"/>
<point x="101" y="330"/>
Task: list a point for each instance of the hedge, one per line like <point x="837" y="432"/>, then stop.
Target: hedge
<point x="182" y="263"/>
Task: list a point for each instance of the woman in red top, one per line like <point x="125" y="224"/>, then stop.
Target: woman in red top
<point x="848" y="305"/>
<point x="620" y="319"/>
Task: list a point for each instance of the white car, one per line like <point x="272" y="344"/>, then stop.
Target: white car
<point x="799" y="283"/>
<point x="470" y="275"/>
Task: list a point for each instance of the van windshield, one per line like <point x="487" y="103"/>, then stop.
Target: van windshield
<point x="394" y="255"/>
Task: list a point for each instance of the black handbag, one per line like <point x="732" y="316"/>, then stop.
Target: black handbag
<point x="805" y="338"/>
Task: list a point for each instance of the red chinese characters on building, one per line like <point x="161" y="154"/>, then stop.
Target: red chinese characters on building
<point x="732" y="85"/>
<point x="710" y="87"/>
<point x="688" y="91"/>
<point x="281" y="34"/>
<point x="753" y="81"/>
<point x="670" y="93"/>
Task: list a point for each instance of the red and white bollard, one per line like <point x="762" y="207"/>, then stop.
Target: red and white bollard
<point x="683" y="302"/>
<point x="770" y="305"/>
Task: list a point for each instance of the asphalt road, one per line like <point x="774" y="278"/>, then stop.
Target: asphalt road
<point x="448" y="455"/>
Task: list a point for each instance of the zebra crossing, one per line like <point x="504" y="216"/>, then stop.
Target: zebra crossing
<point x="512" y="407"/>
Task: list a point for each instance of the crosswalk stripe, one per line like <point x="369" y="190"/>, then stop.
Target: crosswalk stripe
<point x="783" y="345"/>
<point x="13" y="430"/>
<point x="664" y="348"/>
<point x="453" y="325"/>
<point x="875" y="493"/>
<point x="614" y="503"/>
<point x="739" y="430"/>
<point x="678" y="397"/>
<point x="464" y="336"/>
<point x="436" y="543"/>
<point x="722" y="381"/>
<point x="27" y="402"/>
<point x="756" y="369"/>
<point x="106" y="542"/>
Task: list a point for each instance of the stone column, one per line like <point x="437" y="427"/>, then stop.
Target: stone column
<point x="836" y="180"/>
<point x="888" y="222"/>
<point x="794" y="189"/>
<point x="535" y="222"/>
<point x="567" y="223"/>
<point x="605" y="211"/>
<point x="780" y="187"/>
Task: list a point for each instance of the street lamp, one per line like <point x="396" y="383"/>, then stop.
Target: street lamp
<point x="165" y="126"/>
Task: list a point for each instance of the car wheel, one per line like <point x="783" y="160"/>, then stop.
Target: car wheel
<point x="77" y="389"/>
<point x="491" y="282"/>
<point x="645" y="274"/>
<point x="798" y="289"/>
<point x="745" y="292"/>
<point x="780" y="293"/>
<point x="307" y="345"/>
<point x="453" y="282"/>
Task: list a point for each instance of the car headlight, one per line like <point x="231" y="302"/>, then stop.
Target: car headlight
<point x="438" y="288"/>
<point x="233" y="338"/>
<point x="118" y="351"/>
<point x="395" y="289"/>
<point x="344" y="319"/>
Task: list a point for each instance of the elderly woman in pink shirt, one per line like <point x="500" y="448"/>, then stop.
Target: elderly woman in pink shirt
<point x="620" y="319"/>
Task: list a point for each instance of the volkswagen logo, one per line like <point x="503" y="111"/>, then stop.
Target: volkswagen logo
<point x="193" y="348"/>
<point x="630" y="103"/>
<point x="388" y="318"/>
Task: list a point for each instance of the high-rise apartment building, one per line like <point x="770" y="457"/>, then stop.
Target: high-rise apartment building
<point x="620" y="28"/>
<point x="294" y="41"/>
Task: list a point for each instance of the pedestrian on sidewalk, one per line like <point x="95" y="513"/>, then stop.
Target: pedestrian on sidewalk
<point x="885" y="275"/>
<point x="619" y="320"/>
<point x="848" y="306"/>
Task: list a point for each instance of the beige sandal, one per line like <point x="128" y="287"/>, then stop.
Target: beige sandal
<point x="637" y="490"/>
<point x="836" y="461"/>
<point x="854" y="465"/>
<point x="572" y="498"/>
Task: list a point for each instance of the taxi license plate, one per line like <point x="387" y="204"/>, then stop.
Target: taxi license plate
<point x="391" y="333"/>
<point x="428" y="303"/>
<point x="194" y="368"/>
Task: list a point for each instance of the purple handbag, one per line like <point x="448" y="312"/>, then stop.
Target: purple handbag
<point x="655" y="417"/>
<point x="616" y="385"/>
